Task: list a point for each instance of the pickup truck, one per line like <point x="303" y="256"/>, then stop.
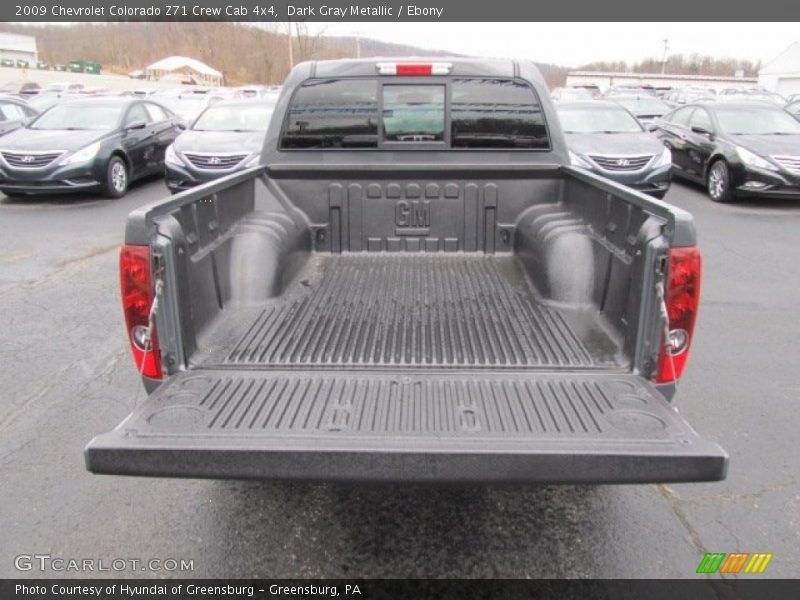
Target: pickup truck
<point x="414" y="285"/>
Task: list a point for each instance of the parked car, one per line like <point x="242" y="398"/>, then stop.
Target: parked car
<point x="62" y="87"/>
<point x="184" y="90"/>
<point x="592" y="88"/>
<point x="605" y="138"/>
<point x="187" y="106"/>
<point x="225" y="138"/>
<point x="628" y="90"/>
<point x="750" y="95"/>
<point x="250" y="91"/>
<point x="735" y="150"/>
<point x="661" y="91"/>
<point x="96" y="90"/>
<point x="645" y="108"/>
<point x="99" y="144"/>
<point x="567" y="94"/>
<point x="393" y="297"/>
<point x="14" y="113"/>
<point x="24" y="89"/>
<point x="688" y="95"/>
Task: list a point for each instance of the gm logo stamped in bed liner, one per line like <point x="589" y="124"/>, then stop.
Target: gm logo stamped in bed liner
<point x="412" y="217"/>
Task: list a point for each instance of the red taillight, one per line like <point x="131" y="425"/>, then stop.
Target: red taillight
<point x="682" y="296"/>
<point x="137" y="298"/>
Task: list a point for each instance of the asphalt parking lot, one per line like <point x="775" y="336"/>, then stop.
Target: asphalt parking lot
<point x="67" y="376"/>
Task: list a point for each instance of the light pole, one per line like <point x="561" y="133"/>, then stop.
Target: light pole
<point x="664" y="57"/>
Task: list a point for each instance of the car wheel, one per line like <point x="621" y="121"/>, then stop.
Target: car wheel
<point x="116" y="178"/>
<point x="719" y="182"/>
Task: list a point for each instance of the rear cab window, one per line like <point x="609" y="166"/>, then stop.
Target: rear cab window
<point x="328" y="114"/>
<point x="456" y="113"/>
<point x="413" y="113"/>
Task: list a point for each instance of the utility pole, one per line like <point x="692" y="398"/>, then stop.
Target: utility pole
<point x="358" y="44"/>
<point x="664" y="57"/>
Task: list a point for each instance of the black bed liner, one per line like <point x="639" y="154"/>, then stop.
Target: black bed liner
<point x="419" y="426"/>
<point x="411" y="310"/>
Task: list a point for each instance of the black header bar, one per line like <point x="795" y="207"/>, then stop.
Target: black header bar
<point x="697" y="588"/>
<point x="48" y="11"/>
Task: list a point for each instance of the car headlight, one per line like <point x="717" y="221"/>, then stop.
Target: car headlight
<point x="754" y="160"/>
<point x="577" y="161"/>
<point x="172" y="157"/>
<point x="256" y="160"/>
<point x="83" y="155"/>
<point x="663" y="160"/>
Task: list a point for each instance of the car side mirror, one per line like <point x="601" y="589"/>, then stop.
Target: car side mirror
<point x="702" y="131"/>
<point x="650" y="127"/>
<point x="181" y="125"/>
<point x="135" y="125"/>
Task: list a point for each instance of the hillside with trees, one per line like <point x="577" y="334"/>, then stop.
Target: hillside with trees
<point x="245" y="54"/>
<point x="260" y="54"/>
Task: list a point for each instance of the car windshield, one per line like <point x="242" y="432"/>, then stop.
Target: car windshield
<point x="234" y="118"/>
<point x="79" y="116"/>
<point x="643" y="105"/>
<point x="43" y="101"/>
<point x="184" y="106"/>
<point x="746" y="121"/>
<point x="597" y="120"/>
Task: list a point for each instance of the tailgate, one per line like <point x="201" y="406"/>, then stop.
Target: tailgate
<point x="379" y="426"/>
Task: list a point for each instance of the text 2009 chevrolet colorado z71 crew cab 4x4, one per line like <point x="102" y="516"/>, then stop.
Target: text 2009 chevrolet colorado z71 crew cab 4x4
<point x="415" y="285"/>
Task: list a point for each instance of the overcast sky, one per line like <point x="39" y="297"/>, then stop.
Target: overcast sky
<point x="573" y="44"/>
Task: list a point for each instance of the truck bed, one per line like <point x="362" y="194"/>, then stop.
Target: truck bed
<point x="406" y="310"/>
<point x="312" y="330"/>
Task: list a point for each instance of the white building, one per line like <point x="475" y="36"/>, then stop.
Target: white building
<point x="18" y="47"/>
<point x="782" y="73"/>
<point x="604" y="80"/>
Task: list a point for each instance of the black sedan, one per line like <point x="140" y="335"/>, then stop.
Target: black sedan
<point x="97" y="144"/>
<point x="735" y="149"/>
<point x="226" y="137"/>
<point x="605" y="138"/>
